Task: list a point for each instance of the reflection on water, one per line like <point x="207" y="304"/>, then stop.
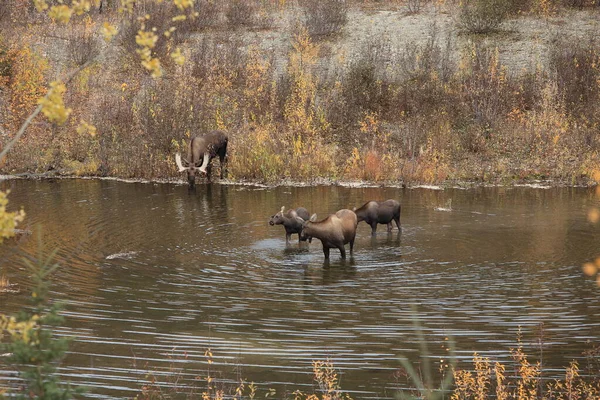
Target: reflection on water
<point x="152" y="271"/>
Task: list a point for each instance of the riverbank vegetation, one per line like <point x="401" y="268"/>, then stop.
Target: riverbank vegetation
<point x="522" y="378"/>
<point x="439" y="109"/>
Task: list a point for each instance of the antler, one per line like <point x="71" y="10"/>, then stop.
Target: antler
<point x="180" y="166"/>
<point x="205" y="162"/>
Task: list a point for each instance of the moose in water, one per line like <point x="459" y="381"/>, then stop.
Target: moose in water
<point x="376" y="212"/>
<point x="201" y="151"/>
<point x="292" y="221"/>
<point x="334" y="231"/>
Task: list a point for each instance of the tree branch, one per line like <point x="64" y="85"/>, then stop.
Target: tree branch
<point x="37" y="110"/>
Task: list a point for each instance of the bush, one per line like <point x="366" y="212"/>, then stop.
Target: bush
<point x="157" y="17"/>
<point x="240" y="13"/>
<point x="82" y="45"/>
<point x="575" y="65"/>
<point x="324" y="17"/>
<point x="208" y="15"/>
<point x="482" y="16"/>
<point x="414" y="6"/>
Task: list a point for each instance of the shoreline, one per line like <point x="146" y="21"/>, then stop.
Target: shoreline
<point x="462" y="185"/>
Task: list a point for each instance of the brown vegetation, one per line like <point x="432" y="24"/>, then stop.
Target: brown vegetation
<point x="425" y="112"/>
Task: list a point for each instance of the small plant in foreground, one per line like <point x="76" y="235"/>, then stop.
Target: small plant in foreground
<point x="487" y="381"/>
<point x="423" y="380"/>
<point x="327" y="381"/>
<point x="32" y="349"/>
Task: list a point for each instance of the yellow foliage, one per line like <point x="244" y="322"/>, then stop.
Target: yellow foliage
<point x="299" y="109"/>
<point x="53" y="105"/>
<point x="183" y="4"/>
<point x="61" y="13"/>
<point x="153" y="65"/>
<point x="84" y="128"/>
<point x="25" y="331"/>
<point x="146" y="39"/>
<point x="108" y="31"/>
<point x="27" y="83"/>
<point x="8" y="220"/>
<point x="327" y="380"/>
<point x="127" y="6"/>
<point x="81" y="6"/>
<point x="177" y="57"/>
<point x="40" y="5"/>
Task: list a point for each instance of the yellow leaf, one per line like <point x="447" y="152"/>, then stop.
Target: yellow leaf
<point x="84" y="128"/>
<point x="60" y="13"/>
<point x="146" y="39"/>
<point x="108" y="31"/>
<point x="40" y="5"/>
<point x="177" y="57"/>
<point x="53" y="105"/>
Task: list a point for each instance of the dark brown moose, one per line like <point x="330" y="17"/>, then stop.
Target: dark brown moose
<point x="201" y="151"/>
<point x="334" y="231"/>
<point x="292" y="221"/>
<point x="376" y="212"/>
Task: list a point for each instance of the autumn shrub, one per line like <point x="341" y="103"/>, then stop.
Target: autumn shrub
<point x="241" y="13"/>
<point x="25" y="82"/>
<point x="5" y="12"/>
<point x="575" y="66"/>
<point x="83" y="45"/>
<point x="157" y="17"/>
<point x="208" y="15"/>
<point x="486" y="91"/>
<point x="357" y="88"/>
<point x="424" y="71"/>
<point x="164" y="116"/>
<point x="415" y="6"/>
<point x="327" y="381"/>
<point x="5" y="63"/>
<point x="257" y="153"/>
<point x="482" y="16"/>
<point x="218" y="58"/>
<point x="108" y="6"/>
<point x="489" y="379"/>
<point x="324" y="17"/>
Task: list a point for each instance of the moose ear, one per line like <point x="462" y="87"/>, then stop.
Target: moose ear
<point x="282" y="208"/>
<point x="313" y="218"/>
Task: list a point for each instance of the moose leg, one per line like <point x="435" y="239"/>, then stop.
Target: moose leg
<point x="398" y="223"/>
<point x="288" y="236"/>
<point x="373" y="227"/>
<point x="223" y="160"/>
<point x="342" y="251"/>
<point x="351" y="246"/>
<point x="208" y="172"/>
<point x="326" y="252"/>
<point x="389" y="226"/>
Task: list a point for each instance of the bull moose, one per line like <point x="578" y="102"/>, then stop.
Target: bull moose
<point x="334" y="231"/>
<point x="292" y="221"/>
<point x="375" y="212"/>
<point x="201" y="151"/>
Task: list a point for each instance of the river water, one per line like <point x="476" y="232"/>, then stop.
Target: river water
<point x="153" y="275"/>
